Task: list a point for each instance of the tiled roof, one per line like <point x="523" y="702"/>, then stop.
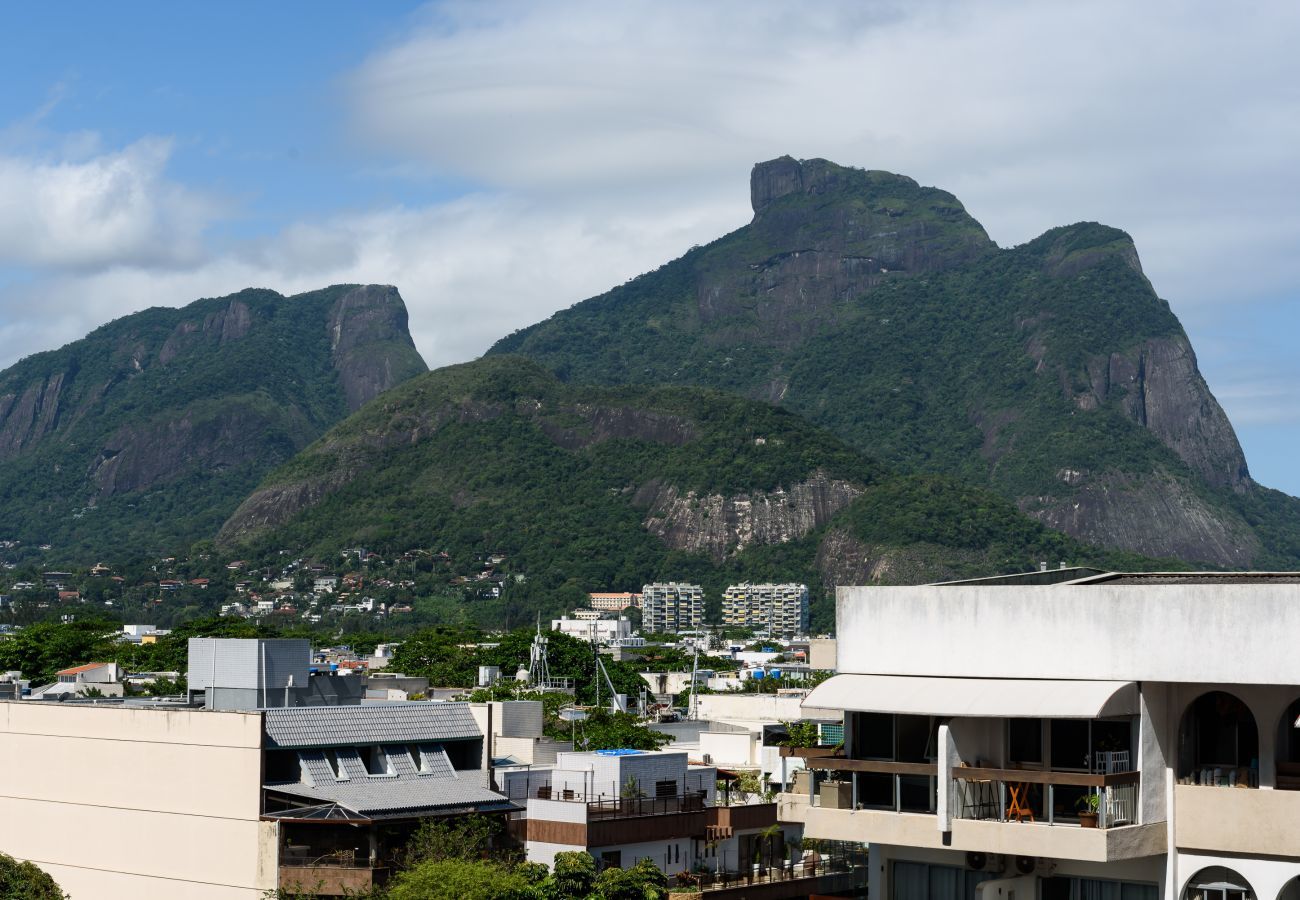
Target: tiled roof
<point x="368" y="725"/>
<point x="78" y="669"/>
<point x="409" y="792"/>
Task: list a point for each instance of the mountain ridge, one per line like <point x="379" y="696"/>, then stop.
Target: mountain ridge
<point x="1050" y="371"/>
<point x="167" y="417"/>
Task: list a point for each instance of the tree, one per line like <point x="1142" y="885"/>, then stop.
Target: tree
<point x="644" y="881"/>
<point x="574" y="875"/>
<point x="605" y="730"/>
<point x="473" y="837"/>
<point x="26" y="881"/>
<point x="461" y="879"/>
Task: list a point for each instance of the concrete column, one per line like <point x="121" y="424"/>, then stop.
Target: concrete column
<point x="943" y="802"/>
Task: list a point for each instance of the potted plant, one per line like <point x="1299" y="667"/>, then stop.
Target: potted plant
<point x="804" y="740"/>
<point x="1089" y="809"/>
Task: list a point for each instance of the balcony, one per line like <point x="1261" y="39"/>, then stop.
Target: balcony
<point x="1018" y="811"/>
<point x="329" y="875"/>
<point x="1236" y="820"/>
<point x="578" y="822"/>
<point x="834" y="874"/>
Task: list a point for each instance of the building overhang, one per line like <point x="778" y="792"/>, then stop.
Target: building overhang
<point x="976" y="697"/>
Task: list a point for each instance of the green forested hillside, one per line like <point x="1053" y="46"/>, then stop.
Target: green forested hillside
<point x="1051" y="372"/>
<point x="569" y="483"/>
<point x="145" y="434"/>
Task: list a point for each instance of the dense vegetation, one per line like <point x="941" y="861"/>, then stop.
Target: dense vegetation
<point x="144" y="435"/>
<point x="500" y="457"/>
<point x="981" y="364"/>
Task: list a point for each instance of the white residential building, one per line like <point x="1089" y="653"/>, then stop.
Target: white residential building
<point x="670" y="607"/>
<point x="778" y="609"/>
<point x="1117" y="736"/>
<point x="622" y="806"/>
<point x="599" y="631"/>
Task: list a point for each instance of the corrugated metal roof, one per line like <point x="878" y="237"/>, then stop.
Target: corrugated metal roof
<point x="435" y="787"/>
<point x="368" y="725"/>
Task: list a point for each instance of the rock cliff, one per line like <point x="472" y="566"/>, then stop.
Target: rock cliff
<point x="881" y="309"/>
<point x="185" y="409"/>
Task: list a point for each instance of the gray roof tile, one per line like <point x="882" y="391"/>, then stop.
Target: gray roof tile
<point x="368" y="724"/>
<point x="438" y="788"/>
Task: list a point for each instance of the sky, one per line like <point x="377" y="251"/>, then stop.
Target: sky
<point x="498" y="161"/>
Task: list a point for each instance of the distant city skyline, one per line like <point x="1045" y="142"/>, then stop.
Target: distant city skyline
<point x="498" y="162"/>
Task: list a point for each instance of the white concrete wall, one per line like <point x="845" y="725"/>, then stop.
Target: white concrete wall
<point x="730" y="749"/>
<point x="751" y="707"/>
<point x="1238" y="633"/>
<point x="1266" y="877"/>
<point x="171" y="797"/>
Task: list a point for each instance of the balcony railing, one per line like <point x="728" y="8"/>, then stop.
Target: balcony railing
<point x="1003" y="795"/>
<point x="630" y="807"/>
<point x="332" y="859"/>
<point x="1028" y="795"/>
<point x="782" y="871"/>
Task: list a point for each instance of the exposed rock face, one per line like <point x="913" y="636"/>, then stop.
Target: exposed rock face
<point x="140" y="457"/>
<point x="847" y="250"/>
<point x="28" y="416"/>
<point x="844" y="559"/>
<point x="719" y="525"/>
<point x="371" y="346"/>
<point x="1155" y="514"/>
<point x="211" y="395"/>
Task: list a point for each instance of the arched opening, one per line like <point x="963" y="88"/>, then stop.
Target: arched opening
<point x="1290" y="890"/>
<point x="1288" y="753"/>
<point x="1217" y="883"/>
<point x="1218" y="742"/>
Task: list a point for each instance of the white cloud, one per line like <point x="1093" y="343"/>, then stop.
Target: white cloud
<point x="114" y="208"/>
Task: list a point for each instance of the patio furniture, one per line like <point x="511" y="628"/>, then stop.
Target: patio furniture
<point x="1018" y="807"/>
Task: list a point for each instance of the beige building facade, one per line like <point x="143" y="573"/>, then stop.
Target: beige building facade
<point x="137" y="804"/>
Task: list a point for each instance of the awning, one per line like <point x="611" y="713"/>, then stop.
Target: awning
<point x="1015" y="698"/>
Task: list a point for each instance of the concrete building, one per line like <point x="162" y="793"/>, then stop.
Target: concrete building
<point x="671" y="607"/>
<point x="1115" y="736"/>
<point x="91" y="679"/>
<point x="612" y="602"/>
<point x="598" y="631"/>
<point x="781" y="610"/>
<point x="171" y="799"/>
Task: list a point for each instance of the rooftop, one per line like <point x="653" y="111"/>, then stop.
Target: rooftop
<point x="368" y="725"/>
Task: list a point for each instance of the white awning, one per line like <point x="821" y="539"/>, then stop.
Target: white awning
<point x="994" y="697"/>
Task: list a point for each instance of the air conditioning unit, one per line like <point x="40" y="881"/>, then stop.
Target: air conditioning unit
<point x="986" y="862"/>
<point x="1026" y="865"/>
<point x="708" y="759"/>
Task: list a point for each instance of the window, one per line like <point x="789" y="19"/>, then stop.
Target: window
<point x="377" y="761"/>
<point x="666" y="788"/>
<point x="1025" y="741"/>
<point x="611" y="859"/>
<point x="1069" y="888"/>
<point x="336" y="765"/>
<point x="921" y="881"/>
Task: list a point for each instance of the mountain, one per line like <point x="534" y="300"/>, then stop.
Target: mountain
<point x="1050" y="372"/>
<point x="147" y="433"/>
<point x="582" y="488"/>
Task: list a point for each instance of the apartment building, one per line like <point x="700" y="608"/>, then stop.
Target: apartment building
<point x="178" y="799"/>
<point x="781" y="610"/>
<point x="671" y="606"/>
<point x="606" y="601"/>
<point x="622" y="806"/>
<point x="1114" y="737"/>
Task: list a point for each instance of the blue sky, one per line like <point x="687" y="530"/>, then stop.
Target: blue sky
<point x="498" y="161"/>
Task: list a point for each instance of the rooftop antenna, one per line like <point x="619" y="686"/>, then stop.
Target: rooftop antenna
<point x="695" y="669"/>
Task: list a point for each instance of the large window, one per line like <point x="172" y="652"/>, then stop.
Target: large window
<point x="1219" y="742"/>
<point x="1067" y="888"/>
<point x="922" y="881"/>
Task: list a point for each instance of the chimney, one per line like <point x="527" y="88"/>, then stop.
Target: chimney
<point x="1042" y="566"/>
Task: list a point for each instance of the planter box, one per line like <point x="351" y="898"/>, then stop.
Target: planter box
<point x="813" y="752"/>
<point x="836" y="795"/>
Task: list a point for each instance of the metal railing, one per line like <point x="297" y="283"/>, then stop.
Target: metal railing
<point x="333" y="859"/>
<point x="786" y="870"/>
<point x="1045" y="797"/>
<point x="630" y="807"/>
